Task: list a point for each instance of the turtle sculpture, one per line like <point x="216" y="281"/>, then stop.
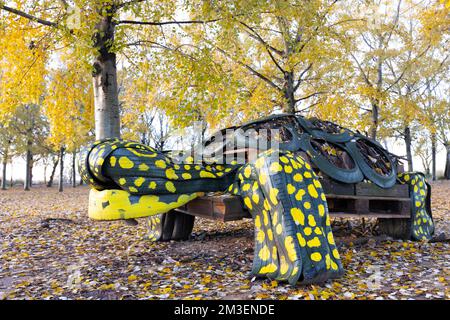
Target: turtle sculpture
<point x="282" y="191"/>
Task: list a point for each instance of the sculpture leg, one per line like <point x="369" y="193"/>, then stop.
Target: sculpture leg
<point x="422" y="225"/>
<point x="293" y="237"/>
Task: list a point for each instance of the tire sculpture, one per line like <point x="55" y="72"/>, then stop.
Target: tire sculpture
<point x="293" y="236"/>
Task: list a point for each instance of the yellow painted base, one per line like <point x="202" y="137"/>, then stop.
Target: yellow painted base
<point x="120" y="204"/>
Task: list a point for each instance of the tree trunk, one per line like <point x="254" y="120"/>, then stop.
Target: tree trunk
<point x="52" y="175"/>
<point x="74" y="173"/>
<point x="289" y="92"/>
<point x="408" y="141"/>
<point x="374" y="128"/>
<point x="447" y="162"/>
<point x="433" y="156"/>
<point x="45" y="175"/>
<point x="4" y="173"/>
<point x="27" y="183"/>
<point x="106" y="97"/>
<point x="61" y="169"/>
<point x="11" y="180"/>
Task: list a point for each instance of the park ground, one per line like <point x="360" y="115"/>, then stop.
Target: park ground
<point x="51" y="250"/>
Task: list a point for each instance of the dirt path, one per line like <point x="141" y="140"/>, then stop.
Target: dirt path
<point x="50" y="249"/>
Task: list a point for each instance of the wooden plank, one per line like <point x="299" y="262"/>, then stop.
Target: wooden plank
<point x="230" y="208"/>
<point x="332" y="187"/>
<point x="367" y="215"/>
<point x="350" y="197"/>
<point x="370" y="189"/>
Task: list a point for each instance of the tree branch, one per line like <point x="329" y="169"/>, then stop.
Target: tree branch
<point x="163" y="23"/>
<point x="29" y="16"/>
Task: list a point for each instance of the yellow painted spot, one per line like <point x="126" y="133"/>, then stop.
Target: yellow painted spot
<point x="406" y="177"/>
<point x="112" y="161"/>
<point x="418" y="203"/>
<point x="259" y="163"/>
<point x="247" y="171"/>
<point x="271" y="267"/>
<point x="323" y="197"/>
<point x="312" y="191"/>
<point x="327" y="261"/>
<point x="284" y="159"/>
<point x="170" y="186"/>
<point x="122" y="181"/>
<point x="301" y="240"/>
<point x="186" y="176"/>
<point x="187" y="167"/>
<point x="298" y="177"/>
<point x="311" y="220"/>
<point x="290" y="188"/>
<point x="317" y="184"/>
<point x="315" y="242"/>
<point x="270" y="234"/>
<point x="288" y="169"/>
<point x="279" y="229"/>
<point x="274" y="253"/>
<point x="262" y="178"/>
<point x="125" y="163"/>
<point x="298" y="216"/>
<point x="290" y="248"/>
<point x="257" y="222"/>
<point x="273" y="195"/>
<point x="316" y="256"/>
<point x="266" y="204"/>
<point x="132" y="189"/>
<point x="333" y="265"/>
<point x="307" y="231"/>
<point x="300" y="195"/>
<point x="307" y="205"/>
<point x="330" y="238"/>
<point x="321" y="209"/>
<point x="264" y="253"/>
<point x="275" y="218"/>
<point x="152" y="185"/>
<point x="265" y="217"/>
<point x="260" y="236"/>
<point x="139" y="181"/>
<point x="246" y="187"/>
<point x="160" y="164"/>
<point x="284" y="267"/>
<point x="255" y="198"/>
<point x="307" y="174"/>
<point x="206" y="174"/>
<point x="327" y="220"/>
<point x="248" y="203"/>
<point x="143" y="167"/>
<point x="255" y="186"/>
<point x="317" y="231"/>
<point x="336" y="254"/>
<point x="170" y="174"/>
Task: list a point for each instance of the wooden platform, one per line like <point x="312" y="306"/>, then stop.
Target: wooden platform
<point x="344" y="200"/>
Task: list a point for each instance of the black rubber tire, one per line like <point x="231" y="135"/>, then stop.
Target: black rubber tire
<point x="395" y="228"/>
<point x="293" y="145"/>
<point x="168" y="224"/>
<point x="184" y="223"/>
<point x="336" y="138"/>
<point x="342" y="175"/>
<point x="385" y="182"/>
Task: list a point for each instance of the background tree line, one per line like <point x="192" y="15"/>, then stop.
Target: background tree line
<point x="142" y="69"/>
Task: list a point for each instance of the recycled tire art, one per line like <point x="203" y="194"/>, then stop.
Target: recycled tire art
<point x="282" y="191"/>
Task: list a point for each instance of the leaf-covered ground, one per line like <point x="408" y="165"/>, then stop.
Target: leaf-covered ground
<point x="51" y="250"/>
